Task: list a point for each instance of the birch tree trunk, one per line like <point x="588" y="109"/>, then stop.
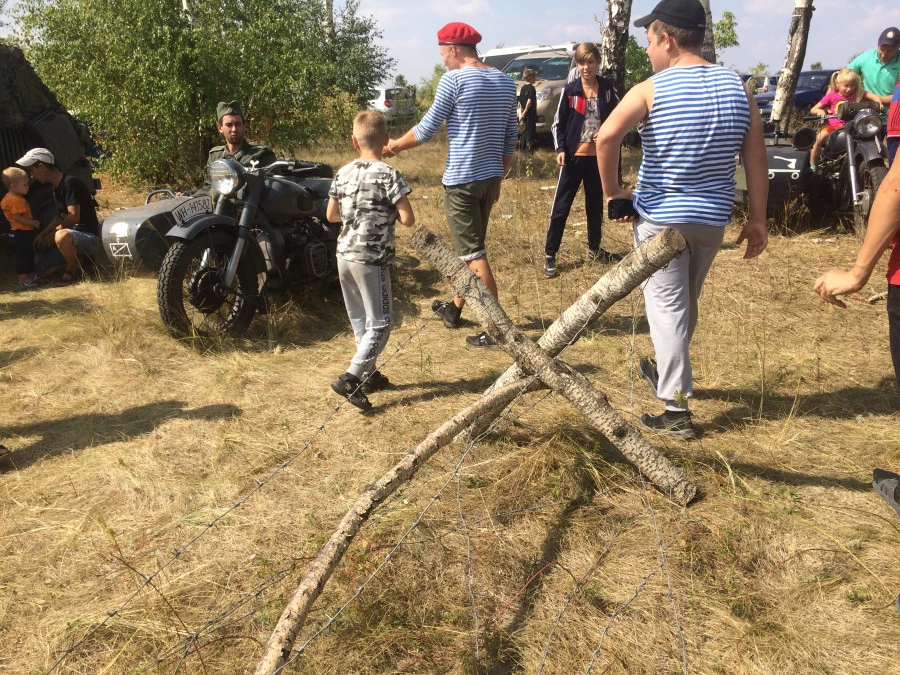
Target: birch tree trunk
<point x="708" y="51"/>
<point x="614" y="43"/>
<point x="554" y="373"/>
<point x="783" y="104"/>
<point x="281" y="642"/>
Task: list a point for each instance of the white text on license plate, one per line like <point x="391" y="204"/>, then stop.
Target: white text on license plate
<point x="192" y="207"/>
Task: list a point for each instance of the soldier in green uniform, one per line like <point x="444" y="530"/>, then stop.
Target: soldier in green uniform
<point x="232" y="126"/>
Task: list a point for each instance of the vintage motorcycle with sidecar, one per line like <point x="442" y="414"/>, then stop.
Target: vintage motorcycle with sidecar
<point x="266" y="231"/>
<point x="852" y="164"/>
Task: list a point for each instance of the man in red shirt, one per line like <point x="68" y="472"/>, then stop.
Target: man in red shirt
<point x="883" y="231"/>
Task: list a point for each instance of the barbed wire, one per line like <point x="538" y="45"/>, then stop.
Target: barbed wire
<point x="625" y="605"/>
<point x="209" y="526"/>
<point x="469" y="446"/>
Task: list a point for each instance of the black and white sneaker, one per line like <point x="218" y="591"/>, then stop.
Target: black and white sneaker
<point x="550" y="266"/>
<point x="448" y="311"/>
<point x="481" y="340"/>
<point x="649" y="374"/>
<point x="671" y="423"/>
<point x="375" y="381"/>
<point x="350" y="388"/>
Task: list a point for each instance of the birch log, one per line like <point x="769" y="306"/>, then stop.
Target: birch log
<point x="632" y="271"/>
<point x="554" y="373"/>
<point x="278" y="649"/>
<point x="615" y="42"/>
<point x="798" y="33"/>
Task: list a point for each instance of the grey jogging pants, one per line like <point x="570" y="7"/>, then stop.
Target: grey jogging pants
<point x="367" y="296"/>
<point x="671" y="296"/>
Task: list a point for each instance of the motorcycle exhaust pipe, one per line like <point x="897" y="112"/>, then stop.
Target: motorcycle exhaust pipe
<point x="854" y="179"/>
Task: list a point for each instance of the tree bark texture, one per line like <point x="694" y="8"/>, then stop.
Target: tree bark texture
<point x="555" y="374"/>
<point x="708" y="51"/>
<point x="278" y="649"/>
<point x="617" y="283"/>
<point x="615" y="42"/>
<point x="798" y="34"/>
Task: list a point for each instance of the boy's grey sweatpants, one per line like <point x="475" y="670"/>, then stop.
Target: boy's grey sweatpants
<point x="367" y="296"/>
<point x="671" y="295"/>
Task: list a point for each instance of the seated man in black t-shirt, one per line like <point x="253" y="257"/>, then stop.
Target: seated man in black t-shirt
<point x="75" y="231"/>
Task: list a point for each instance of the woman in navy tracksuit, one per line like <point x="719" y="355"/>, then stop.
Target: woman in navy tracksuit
<point x="584" y="105"/>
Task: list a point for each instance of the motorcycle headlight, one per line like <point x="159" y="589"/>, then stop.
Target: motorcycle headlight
<point x="867" y="123"/>
<point x="544" y="94"/>
<point x="226" y="176"/>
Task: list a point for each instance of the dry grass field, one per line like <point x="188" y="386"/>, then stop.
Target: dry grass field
<point x="537" y="550"/>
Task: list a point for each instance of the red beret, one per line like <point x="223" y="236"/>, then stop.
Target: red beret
<point x="458" y="33"/>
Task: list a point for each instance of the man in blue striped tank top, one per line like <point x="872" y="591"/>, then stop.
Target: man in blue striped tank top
<point x="478" y="103"/>
<point x="694" y="117"/>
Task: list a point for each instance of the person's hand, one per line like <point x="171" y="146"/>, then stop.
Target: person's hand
<point x="757" y="237"/>
<point x="561" y="158"/>
<point x="619" y="194"/>
<point x="837" y="282"/>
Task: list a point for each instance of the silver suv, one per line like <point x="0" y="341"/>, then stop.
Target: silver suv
<point x="552" y="68"/>
<point x="397" y="104"/>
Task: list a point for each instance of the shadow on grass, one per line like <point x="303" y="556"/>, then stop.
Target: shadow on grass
<point x="426" y="391"/>
<point x="744" y="407"/>
<point x="8" y="357"/>
<point x="38" y="307"/>
<point x="775" y="475"/>
<point x="82" y="431"/>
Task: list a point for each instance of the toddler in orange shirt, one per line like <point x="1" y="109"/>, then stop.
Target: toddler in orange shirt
<point x="18" y="213"/>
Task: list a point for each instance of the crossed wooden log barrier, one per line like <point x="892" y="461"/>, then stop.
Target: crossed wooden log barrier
<point x="535" y="367"/>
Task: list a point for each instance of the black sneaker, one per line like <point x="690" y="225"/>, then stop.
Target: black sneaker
<point x="602" y="256"/>
<point x="648" y="373"/>
<point x="481" y="340"/>
<point x="672" y="423"/>
<point x="349" y="387"/>
<point x="449" y="311"/>
<point x="375" y="382"/>
<point x="550" y="266"/>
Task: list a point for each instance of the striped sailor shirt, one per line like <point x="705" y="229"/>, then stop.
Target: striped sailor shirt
<point x="479" y="106"/>
<point x="698" y="121"/>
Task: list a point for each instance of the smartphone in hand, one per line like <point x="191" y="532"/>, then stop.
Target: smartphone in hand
<point x="622" y="208"/>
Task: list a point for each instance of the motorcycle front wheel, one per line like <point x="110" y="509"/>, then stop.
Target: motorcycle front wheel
<point x="193" y="299"/>
<point x="870" y="178"/>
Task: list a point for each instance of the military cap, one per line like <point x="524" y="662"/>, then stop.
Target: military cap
<point x="233" y="108"/>
<point x="458" y="33"/>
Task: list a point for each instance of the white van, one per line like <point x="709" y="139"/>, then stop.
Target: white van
<point x="498" y="58"/>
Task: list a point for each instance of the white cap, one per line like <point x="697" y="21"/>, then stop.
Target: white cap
<point x="36" y="155"/>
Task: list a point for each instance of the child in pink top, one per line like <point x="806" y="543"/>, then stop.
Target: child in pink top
<point x="844" y="86"/>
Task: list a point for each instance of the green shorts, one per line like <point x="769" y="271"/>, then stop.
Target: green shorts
<point x="468" y="207"/>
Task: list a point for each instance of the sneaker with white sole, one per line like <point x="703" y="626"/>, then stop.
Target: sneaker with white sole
<point x="481" y="340"/>
<point x="550" y="266"/>
<point x="671" y="423"/>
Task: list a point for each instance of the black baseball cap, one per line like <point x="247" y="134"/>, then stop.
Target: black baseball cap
<point x="678" y="13"/>
<point x="889" y="36"/>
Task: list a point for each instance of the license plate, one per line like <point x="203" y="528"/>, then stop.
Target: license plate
<point x="194" y="206"/>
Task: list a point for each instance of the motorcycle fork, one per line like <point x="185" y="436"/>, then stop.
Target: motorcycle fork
<point x="243" y="235"/>
<point x="854" y="179"/>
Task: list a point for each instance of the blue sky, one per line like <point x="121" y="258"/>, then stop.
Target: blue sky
<point x="839" y="29"/>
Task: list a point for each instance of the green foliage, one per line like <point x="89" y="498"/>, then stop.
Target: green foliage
<point x="148" y="76"/>
<point x="725" y="32"/>
<point x="759" y="69"/>
<point x="637" y="63"/>
<point x="817" y="65"/>
<point x="400" y="81"/>
<point x="426" y="89"/>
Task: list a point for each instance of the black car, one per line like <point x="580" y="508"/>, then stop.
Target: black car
<point x="812" y="85"/>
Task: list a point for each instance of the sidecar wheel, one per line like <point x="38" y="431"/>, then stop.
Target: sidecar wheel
<point x="870" y="178"/>
<point x="192" y="300"/>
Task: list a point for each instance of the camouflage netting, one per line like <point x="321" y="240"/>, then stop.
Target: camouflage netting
<point x="22" y="93"/>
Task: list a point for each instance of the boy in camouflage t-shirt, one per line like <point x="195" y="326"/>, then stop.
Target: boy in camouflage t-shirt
<point x="367" y="196"/>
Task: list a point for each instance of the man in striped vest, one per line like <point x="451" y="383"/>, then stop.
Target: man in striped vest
<point x="694" y="117"/>
<point x="478" y="103"/>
